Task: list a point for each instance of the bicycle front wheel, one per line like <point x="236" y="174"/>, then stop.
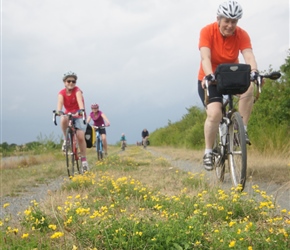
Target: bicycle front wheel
<point x="100" y="149"/>
<point x="69" y="153"/>
<point x="219" y="160"/>
<point x="237" y="151"/>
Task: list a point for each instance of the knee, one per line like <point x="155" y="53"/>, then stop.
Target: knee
<point x="214" y="115"/>
<point x="214" y="118"/>
<point x="81" y="135"/>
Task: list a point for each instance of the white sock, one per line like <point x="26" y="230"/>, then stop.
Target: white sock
<point x="207" y="150"/>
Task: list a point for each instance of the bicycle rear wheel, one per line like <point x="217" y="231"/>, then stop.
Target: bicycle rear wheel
<point x="69" y="153"/>
<point x="219" y="160"/>
<point x="78" y="161"/>
<point x="237" y="151"/>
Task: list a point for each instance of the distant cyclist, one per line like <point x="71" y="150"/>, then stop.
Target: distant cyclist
<point x="145" y="136"/>
<point x="99" y="119"/>
<point x="71" y="98"/>
<point x="123" y="140"/>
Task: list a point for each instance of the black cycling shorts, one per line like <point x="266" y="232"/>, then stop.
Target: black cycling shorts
<point x="102" y="131"/>
<point x="214" y="96"/>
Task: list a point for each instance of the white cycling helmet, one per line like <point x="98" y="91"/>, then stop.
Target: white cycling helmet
<point x="230" y="9"/>
<point x="70" y="74"/>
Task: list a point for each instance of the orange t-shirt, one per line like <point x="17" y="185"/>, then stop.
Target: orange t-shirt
<point x="223" y="49"/>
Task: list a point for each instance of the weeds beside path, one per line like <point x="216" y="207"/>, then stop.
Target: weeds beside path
<point x="271" y="173"/>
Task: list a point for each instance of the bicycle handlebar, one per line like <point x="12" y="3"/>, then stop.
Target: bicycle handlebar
<point x="99" y="127"/>
<point x="272" y="76"/>
<point x="60" y="113"/>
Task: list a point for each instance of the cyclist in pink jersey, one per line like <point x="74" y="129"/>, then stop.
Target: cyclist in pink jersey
<point x="99" y="119"/>
<point x="71" y="98"/>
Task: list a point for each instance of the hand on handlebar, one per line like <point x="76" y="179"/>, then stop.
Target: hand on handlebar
<point x="206" y="80"/>
<point x="210" y="77"/>
<point x="254" y="76"/>
<point x="59" y="113"/>
<point x="81" y="111"/>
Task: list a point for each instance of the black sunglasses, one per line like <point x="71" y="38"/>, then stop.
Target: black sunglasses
<point x="71" y="81"/>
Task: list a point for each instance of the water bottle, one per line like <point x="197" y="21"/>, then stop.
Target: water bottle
<point x="223" y="132"/>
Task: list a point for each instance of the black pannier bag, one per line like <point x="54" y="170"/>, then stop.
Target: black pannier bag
<point x="233" y="78"/>
<point x="89" y="136"/>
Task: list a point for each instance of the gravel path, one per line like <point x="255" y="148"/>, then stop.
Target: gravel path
<point x="20" y="203"/>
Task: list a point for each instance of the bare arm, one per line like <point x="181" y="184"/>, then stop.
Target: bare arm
<point x="205" y="54"/>
<point x="79" y="96"/>
<point x="89" y="119"/>
<point x="250" y="59"/>
<point x="106" y="119"/>
<point x="59" y="102"/>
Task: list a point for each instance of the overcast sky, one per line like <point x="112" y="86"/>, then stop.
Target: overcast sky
<point x="137" y="58"/>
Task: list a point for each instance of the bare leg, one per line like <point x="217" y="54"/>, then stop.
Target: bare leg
<point x="246" y="104"/>
<point x="105" y="144"/>
<point x="214" y="116"/>
<point x="64" y="125"/>
<point x="82" y="142"/>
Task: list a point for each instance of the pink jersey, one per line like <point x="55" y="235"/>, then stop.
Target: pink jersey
<point x="98" y="119"/>
<point x="70" y="101"/>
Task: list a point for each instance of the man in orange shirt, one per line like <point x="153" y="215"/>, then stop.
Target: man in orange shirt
<point x="221" y="42"/>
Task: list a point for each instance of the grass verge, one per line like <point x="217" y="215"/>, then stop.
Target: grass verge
<point x="132" y="200"/>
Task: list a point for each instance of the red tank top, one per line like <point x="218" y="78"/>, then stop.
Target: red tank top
<point x="70" y="101"/>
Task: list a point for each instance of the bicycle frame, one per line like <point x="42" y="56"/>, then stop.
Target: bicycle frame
<point x="72" y="150"/>
<point x="99" y="142"/>
<point x="230" y="144"/>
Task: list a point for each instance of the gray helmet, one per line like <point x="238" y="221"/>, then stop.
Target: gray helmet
<point x="70" y="74"/>
<point x="230" y="9"/>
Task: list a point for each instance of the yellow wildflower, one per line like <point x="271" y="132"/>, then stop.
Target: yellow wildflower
<point x="232" y="243"/>
<point x="53" y="227"/>
<point x="6" y="205"/>
<point x="57" y="235"/>
<point x="24" y="236"/>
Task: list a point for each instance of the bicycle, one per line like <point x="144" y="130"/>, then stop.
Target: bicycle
<point x="230" y="142"/>
<point x="99" y="142"/>
<point x="72" y="151"/>
<point x="123" y="145"/>
<point x="145" y="142"/>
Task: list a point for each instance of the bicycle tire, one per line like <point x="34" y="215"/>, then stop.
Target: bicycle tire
<point x="77" y="155"/>
<point x="219" y="159"/>
<point x="69" y="153"/>
<point x="237" y="151"/>
<point x="99" y="149"/>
